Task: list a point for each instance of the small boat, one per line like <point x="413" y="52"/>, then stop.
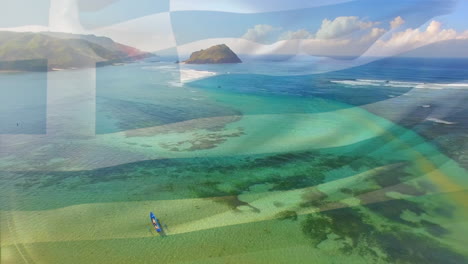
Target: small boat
<point x="155" y="222"/>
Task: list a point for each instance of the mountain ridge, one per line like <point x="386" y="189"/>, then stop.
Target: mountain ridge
<point x="24" y="51"/>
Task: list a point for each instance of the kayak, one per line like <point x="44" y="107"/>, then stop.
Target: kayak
<point x="155" y="222"/>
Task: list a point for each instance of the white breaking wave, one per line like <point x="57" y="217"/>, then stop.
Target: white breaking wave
<point x="162" y="67"/>
<point x="182" y="75"/>
<point x="440" y="121"/>
<point x="187" y="75"/>
<point x="386" y="83"/>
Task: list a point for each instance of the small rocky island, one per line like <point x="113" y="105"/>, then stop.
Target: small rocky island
<point x="214" y="55"/>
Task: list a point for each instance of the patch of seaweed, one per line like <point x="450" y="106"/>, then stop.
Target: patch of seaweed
<point x="209" y="189"/>
<point x="395" y="241"/>
<point x="201" y="142"/>
<point x="434" y="229"/>
<point x="392" y="177"/>
<point x="445" y="211"/>
<point x="282" y="159"/>
<point x="346" y="191"/>
<point x="287" y="215"/>
<point x="345" y="222"/>
<point x="405" y="247"/>
<point x="313" y="198"/>
<point x="296" y="181"/>
<point x="394" y="208"/>
<point x="231" y="201"/>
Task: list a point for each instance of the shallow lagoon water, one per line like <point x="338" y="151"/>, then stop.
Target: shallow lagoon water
<point x="236" y="173"/>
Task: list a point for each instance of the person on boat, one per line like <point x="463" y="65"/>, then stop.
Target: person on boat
<point x="155" y="222"/>
<point x="156" y="225"/>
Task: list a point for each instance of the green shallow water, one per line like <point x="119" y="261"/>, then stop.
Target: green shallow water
<point x="266" y="181"/>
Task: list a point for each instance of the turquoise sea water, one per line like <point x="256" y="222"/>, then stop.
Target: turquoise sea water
<point x="364" y="165"/>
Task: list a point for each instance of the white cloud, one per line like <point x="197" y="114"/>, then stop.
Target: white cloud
<point x="300" y="34"/>
<point x="396" y="42"/>
<point x="414" y="38"/>
<point x="341" y="26"/>
<point x="260" y="33"/>
<point x="397" y="22"/>
<point x="373" y="35"/>
<point x="333" y="38"/>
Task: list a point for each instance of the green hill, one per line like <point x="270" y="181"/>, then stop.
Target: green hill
<point x="216" y="54"/>
<point x="28" y="51"/>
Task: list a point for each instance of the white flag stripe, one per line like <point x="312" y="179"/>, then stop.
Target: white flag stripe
<point x="248" y="6"/>
<point x="149" y="33"/>
<point x="106" y="13"/>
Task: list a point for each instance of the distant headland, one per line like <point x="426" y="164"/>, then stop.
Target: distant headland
<point x="214" y="55"/>
<point x="47" y="51"/>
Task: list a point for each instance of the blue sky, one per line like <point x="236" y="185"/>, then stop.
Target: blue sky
<point x="194" y="25"/>
<point x="457" y="19"/>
